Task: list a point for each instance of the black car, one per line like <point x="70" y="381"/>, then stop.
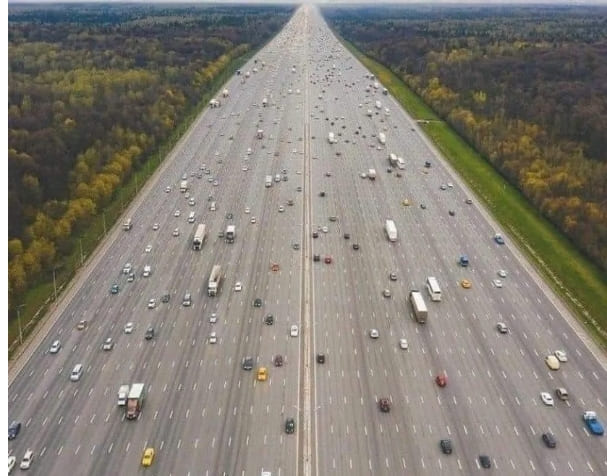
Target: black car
<point x="422" y="206"/>
<point x="149" y="333"/>
<point x="314" y="234"/>
<point x="229" y="216"/>
<point x="549" y="440"/>
<point x="446" y="446"/>
<point x="257" y="302"/>
<point x="115" y="289"/>
<point x="452" y="213"/>
<point x="384" y="405"/>
<point x="355" y="246"/>
<point x="322" y="194"/>
<point x="320" y="358"/>
<point x="269" y="320"/>
<point x="13" y="430"/>
<point x="485" y="461"/>
<point x="165" y="297"/>
<point x="290" y="425"/>
<point x="247" y="363"/>
<point x="346" y="236"/>
<point x="316" y="257"/>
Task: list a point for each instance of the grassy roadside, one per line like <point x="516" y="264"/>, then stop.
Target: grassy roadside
<point x="581" y="285"/>
<point x="39" y="297"/>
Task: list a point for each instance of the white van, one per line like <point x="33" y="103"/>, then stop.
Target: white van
<point x="433" y="288"/>
<point x="213" y="206"/>
<point x="77" y="373"/>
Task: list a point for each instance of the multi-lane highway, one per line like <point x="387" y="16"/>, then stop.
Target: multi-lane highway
<point x="203" y="413"/>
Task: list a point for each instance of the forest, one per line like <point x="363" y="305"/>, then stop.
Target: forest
<point x="525" y="86"/>
<point x="93" y="89"/>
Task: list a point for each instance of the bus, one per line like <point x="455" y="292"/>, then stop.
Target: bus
<point x="433" y="288"/>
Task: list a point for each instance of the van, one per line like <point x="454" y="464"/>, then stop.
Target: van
<point x="213" y="206"/>
<point x="77" y="373"/>
<point x="191" y="217"/>
<point x="277" y="178"/>
<point x="433" y="288"/>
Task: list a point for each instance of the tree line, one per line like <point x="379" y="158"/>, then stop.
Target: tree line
<point x="93" y="90"/>
<point x="524" y="85"/>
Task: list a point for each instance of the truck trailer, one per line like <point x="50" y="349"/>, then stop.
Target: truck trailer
<point x="134" y="402"/>
<point x="391" y="232"/>
<point x="214" y="280"/>
<point x="199" y="236"/>
<point x="419" y="306"/>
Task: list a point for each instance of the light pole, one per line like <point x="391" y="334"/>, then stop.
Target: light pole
<point x="19" y="322"/>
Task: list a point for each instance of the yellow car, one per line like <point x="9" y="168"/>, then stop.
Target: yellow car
<point x="148" y="457"/>
<point x="552" y="362"/>
<point x="466" y="284"/>
<point x="262" y="374"/>
<point x="406" y="202"/>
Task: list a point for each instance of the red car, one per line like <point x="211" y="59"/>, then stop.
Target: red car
<point x="328" y="259"/>
<point x="384" y="405"/>
<point x="441" y="380"/>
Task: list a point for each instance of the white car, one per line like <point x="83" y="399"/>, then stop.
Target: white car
<point x="213" y="338"/>
<point x="294" y="331"/>
<point x="403" y="344"/>
<point x="176" y="232"/>
<point x="55" y="346"/>
<point x="374" y="333"/>
<point x="387" y="293"/>
<point x="253" y="220"/>
<point x="560" y="355"/>
<point x="547" y="399"/>
<point x="128" y="328"/>
<point x="249" y="151"/>
<point x="238" y="286"/>
<point x="108" y="344"/>
<point x="28" y="457"/>
<point x="449" y="184"/>
<point x="247" y="210"/>
<point x="325" y="229"/>
<point x="148" y="248"/>
<point x="245" y="168"/>
<point x="191" y="202"/>
<point x="497" y="283"/>
<point x="155" y="226"/>
<point x="215" y="183"/>
<point x="502" y="273"/>
<point x="177" y="213"/>
<point x="12" y="460"/>
<point x="281" y="209"/>
<point x="152" y="303"/>
<point x="363" y="175"/>
<point x="167" y="189"/>
<point x="213" y="318"/>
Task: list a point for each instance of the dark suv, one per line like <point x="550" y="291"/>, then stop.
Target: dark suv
<point x="13" y="430"/>
<point x="269" y="319"/>
<point x="549" y="440"/>
<point x="384" y="405"/>
<point x="290" y="425"/>
<point x="149" y="333"/>
<point x="247" y="363"/>
<point x="257" y="302"/>
<point x="320" y="358"/>
<point x="485" y="461"/>
<point x="446" y="446"/>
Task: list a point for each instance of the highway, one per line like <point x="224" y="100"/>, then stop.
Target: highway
<point x="203" y="413"/>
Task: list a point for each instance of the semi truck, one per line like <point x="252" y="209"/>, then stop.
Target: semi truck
<point x="230" y="233"/>
<point x="381" y="137"/>
<point x="391" y="232"/>
<point x="134" y="402"/>
<point x="183" y="186"/>
<point x="419" y="306"/>
<point x="372" y="174"/>
<point x="214" y="280"/>
<point x="332" y="139"/>
<point x="268" y="181"/>
<point x="199" y="236"/>
<point x="123" y="395"/>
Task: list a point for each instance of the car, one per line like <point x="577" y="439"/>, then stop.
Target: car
<point x="127" y="269"/>
<point x="468" y="201"/>
<point x="485" y="461"/>
<point x="115" y="289"/>
<point x="28" y="457"/>
<point x="290" y="426"/>
<point x="213" y="338"/>
<point x="290" y="202"/>
<point x="12" y="460"/>
<point x="403" y="344"/>
<point x="466" y="284"/>
<point x="215" y="183"/>
<point x="281" y="209"/>
<point x="449" y="184"/>
<point x="320" y="358"/>
<point x="238" y="286"/>
<point x="333" y="218"/>
<point x="422" y="206"/>
<point x="257" y="302"/>
<point x="443" y="187"/>
<point x="268" y="320"/>
<point x="446" y="446"/>
<point x="55" y="346"/>
<point x="387" y="293"/>
<point x="552" y="362"/>
<point x="187" y="300"/>
<point x="294" y="331"/>
<point x="325" y="229"/>
<point x="314" y="234"/>
<point x="229" y="216"/>
<point x="247" y="210"/>
<point x="346" y="236"/>
<point x="128" y="328"/>
<point x="592" y="423"/>
<point x="322" y="194"/>
<point x="441" y="380"/>
<point x="149" y="333"/>
<point x="148" y="457"/>
<point x="406" y="202"/>
<point x="191" y="202"/>
<point x="502" y="273"/>
<point x="547" y="399"/>
<point x="108" y="344"/>
<point x="363" y="175"/>
<point x="316" y="257"/>
<point x="499" y="239"/>
<point x="373" y="333"/>
<point x="213" y="318"/>
<point x="221" y="234"/>
<point x="384" y="405"/>
<point x="327" y="174"/>
<point x="560" y="355"/>
<point x="262" y="374"/>
<point x="152" y="303"/>
<point x="562" y="394"/>
<point x="295" y="246"/>
<point x="498" y="283"/>
<point x="245" y="168"/>
<point x="130" y="278"/>
<point x="176" y="232"/>
<point x="13" y="429"/>
<point x="247" y="363"/>
<point x="502" y="328"/>
<point x="452" y="213"/>
<point x="253" y="220"/>
<point x="148" y="248"/>
<point x="355" y="246"/>
<point x="177" y="213"/>
<point x="393" y="276"/>
<point x="549" y="440"/>
<point x="278" y="360"/>
<point x="165" y="297"/>
<point x="155" y="226"/>
<point x="328" y="259"/>
<point x="81" y="325"/>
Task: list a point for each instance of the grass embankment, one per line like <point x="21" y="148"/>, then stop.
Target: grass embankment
<point x="41" y="295"/>
<point x="581" y="284"/>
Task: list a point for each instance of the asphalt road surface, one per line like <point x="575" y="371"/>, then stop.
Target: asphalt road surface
<point x="202" y="412"/>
